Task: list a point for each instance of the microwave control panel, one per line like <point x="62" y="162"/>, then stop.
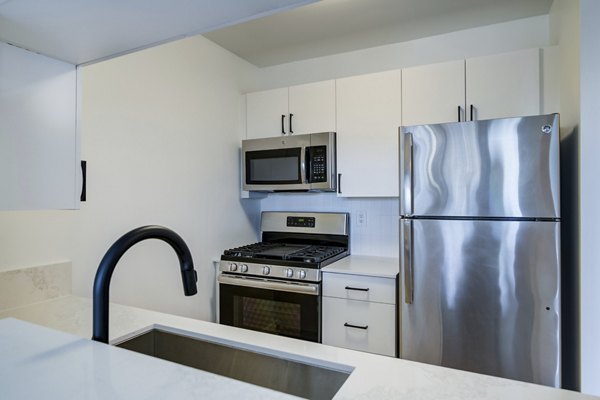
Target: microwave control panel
<point x="318" y="164"/>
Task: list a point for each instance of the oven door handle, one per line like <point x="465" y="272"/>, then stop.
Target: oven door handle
<point x="304" y="288"/>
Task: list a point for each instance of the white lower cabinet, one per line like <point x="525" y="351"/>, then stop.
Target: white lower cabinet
<point x="359" y="313"/>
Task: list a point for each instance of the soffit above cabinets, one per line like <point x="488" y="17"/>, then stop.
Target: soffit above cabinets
<point x="335" y="26"/>
<point x="83" y="31"/>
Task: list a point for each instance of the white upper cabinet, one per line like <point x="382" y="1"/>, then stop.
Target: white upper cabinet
<point x="368" y="117"/>
<point x="504" y="85"/>
<point x="433" y="94"/>
<point x="266" y="113"/>
<point x="312" y="108"/>
<point x="295" y="110"/>
<point x="39" y="164"/>
<point x="498" y="86"/>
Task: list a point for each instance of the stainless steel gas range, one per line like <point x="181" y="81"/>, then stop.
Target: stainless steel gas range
<point x="274" y="286"/>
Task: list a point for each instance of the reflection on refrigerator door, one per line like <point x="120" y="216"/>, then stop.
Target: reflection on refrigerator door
<point x="485" y="297"/>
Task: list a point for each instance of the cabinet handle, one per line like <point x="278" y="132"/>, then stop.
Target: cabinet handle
<point x="357" y="288"/>
<point x="347" y="325"/>
<point x="459" y="113"/>
<point x="340" y="183"/>
<point x="82" y="197"/>
<point x="282" y="124"/>
<point x="308" y="164"/>
<point x="291" y="131"/>
<point x="472" y="112"/>
<point x="408" y="262"/>
<point x="408" y="174"/>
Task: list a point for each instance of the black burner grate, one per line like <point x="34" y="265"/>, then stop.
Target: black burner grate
<point x="284" y="251"/>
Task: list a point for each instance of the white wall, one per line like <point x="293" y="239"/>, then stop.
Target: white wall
<point x="160" y="131"/>
<point x="590" y="196"/>
<point x="492" y="39"/>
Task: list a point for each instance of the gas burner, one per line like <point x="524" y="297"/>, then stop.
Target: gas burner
<point x="285" y="251"/>
<point x="315" y="254"/>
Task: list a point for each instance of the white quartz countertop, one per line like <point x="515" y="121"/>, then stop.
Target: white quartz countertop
<point x="38" y="362"/>
<point x="41" y="363"/>
<point x="384" y="267"/>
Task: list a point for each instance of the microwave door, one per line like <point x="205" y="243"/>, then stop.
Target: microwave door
<point x="274" y="168"/>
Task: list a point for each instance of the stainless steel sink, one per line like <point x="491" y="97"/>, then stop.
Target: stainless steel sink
<point x="295" y="377"/>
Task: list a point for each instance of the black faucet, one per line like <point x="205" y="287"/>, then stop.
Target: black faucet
<point x="112" y="257"/>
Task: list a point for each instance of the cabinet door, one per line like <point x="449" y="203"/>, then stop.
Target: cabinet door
<point x="432" y="94"/>
<point x="312" y="107"/>
<point x="504" y="85"/>
<point x="264" y="113"/>
<point x="38" y="136"/>
<point x="359" y="325"/>
<point x="359" y="287"/>
<point x="368" y="117"/>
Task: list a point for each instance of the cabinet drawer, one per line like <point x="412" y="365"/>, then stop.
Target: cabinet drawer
<point x="359" y="325"/>
<point x="359" y="287"/>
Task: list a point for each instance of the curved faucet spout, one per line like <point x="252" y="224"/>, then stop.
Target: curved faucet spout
<point x="114" y="254"/>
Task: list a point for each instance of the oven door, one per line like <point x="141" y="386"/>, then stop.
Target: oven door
<point x="279" y="307"/>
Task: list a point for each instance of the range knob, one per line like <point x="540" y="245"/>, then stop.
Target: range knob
<point x="266" y="270"/>
<point x="244" y="268"/>
<point x="289" y="273"/>
<point x="301" y="274"/>
<point x="233" y="267"/>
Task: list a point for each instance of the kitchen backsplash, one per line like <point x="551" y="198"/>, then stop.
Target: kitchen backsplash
<point x="23" y="286"/>
<point x="373" y="221"/>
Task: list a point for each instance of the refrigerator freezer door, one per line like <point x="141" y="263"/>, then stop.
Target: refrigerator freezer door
<point x="485" y="297"/>
<point x="496" y="168"/>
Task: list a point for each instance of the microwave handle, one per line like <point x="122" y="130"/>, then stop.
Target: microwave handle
<point x="304" y="157"/>
<point x="307" y="166"/>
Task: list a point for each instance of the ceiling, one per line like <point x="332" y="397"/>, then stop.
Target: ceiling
<point x="82" y="31"/>
<point x="264" y="32"/>
<point x="335" y="26"/>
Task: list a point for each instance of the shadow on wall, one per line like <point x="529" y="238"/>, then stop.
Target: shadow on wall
<point x="569" y="178"/>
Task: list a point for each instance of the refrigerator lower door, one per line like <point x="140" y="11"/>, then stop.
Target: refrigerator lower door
<point x="482" y="296"/>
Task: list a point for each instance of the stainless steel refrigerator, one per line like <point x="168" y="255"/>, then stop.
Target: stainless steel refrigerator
<point x="480" y="247"/>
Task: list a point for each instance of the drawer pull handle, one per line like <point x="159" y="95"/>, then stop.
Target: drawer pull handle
<point x="357" y="288"/>
<point x="365" y="327"/>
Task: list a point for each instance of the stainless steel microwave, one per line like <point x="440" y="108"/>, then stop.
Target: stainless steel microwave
<point x="290" y="163"/>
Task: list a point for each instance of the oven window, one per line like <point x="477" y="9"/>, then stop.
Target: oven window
<point x="281" y="313"/>
<point x="273" y="166"/>
<point x="269" y="316"/>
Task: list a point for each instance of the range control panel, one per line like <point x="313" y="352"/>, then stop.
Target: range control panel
<point x="302" y="222"/>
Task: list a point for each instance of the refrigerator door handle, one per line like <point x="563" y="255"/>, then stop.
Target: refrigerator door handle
<point x="407" y="178"/>
<point x="408" y="262"/>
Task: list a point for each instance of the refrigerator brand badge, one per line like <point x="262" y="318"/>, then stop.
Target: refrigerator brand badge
<point x="547" y="128"/>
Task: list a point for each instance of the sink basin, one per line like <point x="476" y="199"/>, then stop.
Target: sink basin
<point x="295" y="377"/>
